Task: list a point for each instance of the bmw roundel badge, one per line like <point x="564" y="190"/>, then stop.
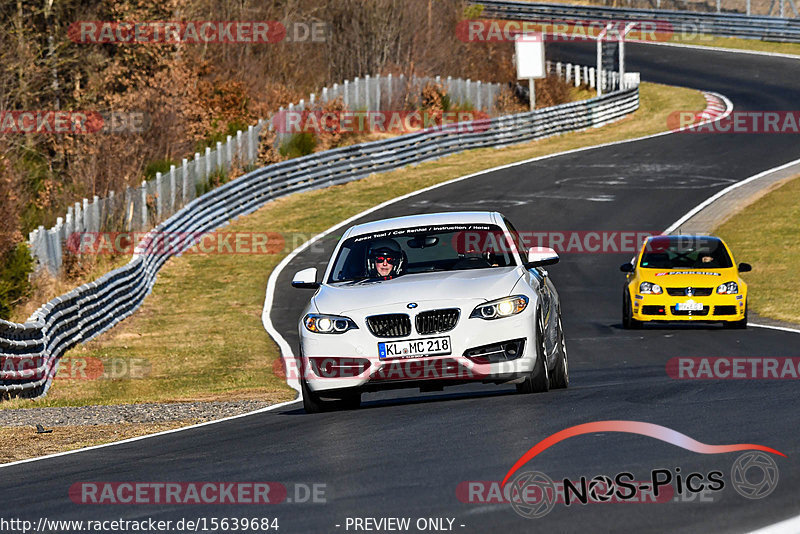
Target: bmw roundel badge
<point x="411" y="305"/>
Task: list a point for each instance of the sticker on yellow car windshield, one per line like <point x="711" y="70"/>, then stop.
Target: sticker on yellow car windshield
<point x="708" y="273"/>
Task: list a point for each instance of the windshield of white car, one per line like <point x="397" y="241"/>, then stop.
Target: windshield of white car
<point x="407" y="251"/>
<point x="685" y="252"/>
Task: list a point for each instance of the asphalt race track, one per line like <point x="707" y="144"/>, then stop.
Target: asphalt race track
<point x="404" y="453"/>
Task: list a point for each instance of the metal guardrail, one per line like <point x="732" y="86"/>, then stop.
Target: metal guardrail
<point x="682" y="22"/>
<point x="29" y="352"/>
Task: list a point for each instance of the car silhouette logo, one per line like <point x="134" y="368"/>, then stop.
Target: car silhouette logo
<point x="411" y="305"/>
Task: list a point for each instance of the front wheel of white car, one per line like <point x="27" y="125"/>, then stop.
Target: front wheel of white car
<point x="314" y="403"/>
<point x="560" y="377"/>
<point x="539" y="379"/>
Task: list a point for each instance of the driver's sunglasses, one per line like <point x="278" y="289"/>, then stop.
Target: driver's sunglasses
<point x="391" y="260"/>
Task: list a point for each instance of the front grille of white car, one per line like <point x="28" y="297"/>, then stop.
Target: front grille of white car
<point x="389" y="325"/>
<point x="437" y="321"/>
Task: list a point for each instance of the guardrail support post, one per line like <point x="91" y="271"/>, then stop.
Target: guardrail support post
<point x="48" y="249"/>
<point x="251" y="144"/>
<point x="159" y="199"/>
<point x="185" y="181"/>
<point x="78" y="218"/>
<point x="68" y="225"/>
<point x="128" y="207"/>
<point x="144" y="205"/>
<point x="378" y="92"/>
<point x="229" y="153"/>
<point x="86" y="216"/>
<point x="111" y="211"/>
<point x="57" y="251"/>
<point x="599" y="70"/>
<point x="172" y="187"/>
<point x="366" y="92"/>
<point x="97" y="206"/>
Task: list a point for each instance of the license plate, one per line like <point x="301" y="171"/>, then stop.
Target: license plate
<point x="689" y="306"/>
<point x="414" y="348"/>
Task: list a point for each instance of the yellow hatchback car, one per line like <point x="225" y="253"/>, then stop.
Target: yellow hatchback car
<point x="684" y="278"/>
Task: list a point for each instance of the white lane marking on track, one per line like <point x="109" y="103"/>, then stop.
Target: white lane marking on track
<point x="775" y="327"/>
<point x="719" y="194"/>
<point x="788" y="526"/>
<point x="523" y="200"/>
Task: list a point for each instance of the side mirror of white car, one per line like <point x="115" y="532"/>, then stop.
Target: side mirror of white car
<point x="541" y="256"/>
<point x="306" y="279"/>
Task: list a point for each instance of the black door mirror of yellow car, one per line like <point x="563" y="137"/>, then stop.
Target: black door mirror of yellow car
<point x="745" y="267"/>
<point x="626" y="267"/>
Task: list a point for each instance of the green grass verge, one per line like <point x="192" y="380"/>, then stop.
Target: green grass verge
<point x="764" y="234"/>
<point x="198" y="336"/>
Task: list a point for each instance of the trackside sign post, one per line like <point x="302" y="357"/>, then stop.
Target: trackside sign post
<point x="529" y="48"/>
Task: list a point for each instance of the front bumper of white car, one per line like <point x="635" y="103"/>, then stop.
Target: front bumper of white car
<point x="506" y="350"/>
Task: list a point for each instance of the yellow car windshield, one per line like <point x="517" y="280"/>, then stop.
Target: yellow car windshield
<point x="685" y="252"/>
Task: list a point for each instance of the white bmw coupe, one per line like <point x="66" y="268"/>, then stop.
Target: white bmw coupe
<point x="428" y="301"/>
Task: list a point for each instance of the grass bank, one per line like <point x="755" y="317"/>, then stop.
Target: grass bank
<point x="764" y="234"/>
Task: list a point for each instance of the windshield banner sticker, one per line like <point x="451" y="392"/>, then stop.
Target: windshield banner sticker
<point x="707" y="273"/>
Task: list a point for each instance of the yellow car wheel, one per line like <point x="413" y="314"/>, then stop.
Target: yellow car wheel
<point x="628" y="322"/>
<point x="740" y="324"/>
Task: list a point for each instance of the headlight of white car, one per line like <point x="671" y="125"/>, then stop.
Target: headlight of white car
<point x="328" y="324"/>
<point x="730" y="288"/>
<point x="648" y="288"/>
<point x="500" y="308"/>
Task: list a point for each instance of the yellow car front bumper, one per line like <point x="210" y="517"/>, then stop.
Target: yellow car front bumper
<point x="667" y="308"/>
